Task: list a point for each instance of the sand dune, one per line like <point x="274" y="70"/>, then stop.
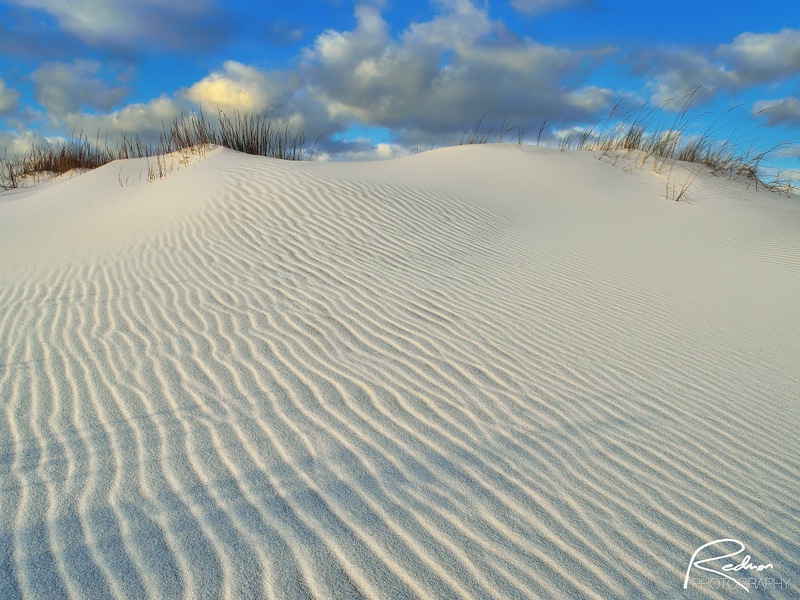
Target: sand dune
<point x="479" y="372"/>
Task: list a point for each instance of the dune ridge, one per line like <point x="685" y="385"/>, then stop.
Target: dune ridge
<point x="480" y="372"/>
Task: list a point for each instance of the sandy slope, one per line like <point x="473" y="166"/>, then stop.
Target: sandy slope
<point x="477" y="372"/>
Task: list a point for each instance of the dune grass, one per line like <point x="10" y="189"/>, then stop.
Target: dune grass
<point x="80" y="153"/>
<point x="498" y="135"/>
<point x="665" y="134"/>
<point x="248" y="133"/>
<point x="480" y="134"/>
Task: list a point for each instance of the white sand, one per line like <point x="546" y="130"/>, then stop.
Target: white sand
<point x="478" y="372"/>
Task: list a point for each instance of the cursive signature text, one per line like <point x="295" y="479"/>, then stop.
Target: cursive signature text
<point x="744" y="565"/>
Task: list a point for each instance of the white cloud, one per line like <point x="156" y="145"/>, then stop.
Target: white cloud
<point x="142" y="119"/>
<point x="752" y="59"/>
<point x="785" y="111"/>
<point x="8" y="98"/>
<point x="442" y="74"/>
<point x="365" y="149"/>
<point x="66" y="88"/>
<point x="369" y="37"/>
<point x="461" y="25"/>
<point x="545" y="6"/>
<point x="236" y="87"/>
<point x="591" y="99"/>
<point x="681" y="72"/>
<point x="761" y="57"/>
<point x="18" y="143"/>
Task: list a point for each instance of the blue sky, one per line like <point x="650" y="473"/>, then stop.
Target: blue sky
<point x="378" y="77"/>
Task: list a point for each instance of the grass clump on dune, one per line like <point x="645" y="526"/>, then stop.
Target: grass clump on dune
<point x="248" y="133"/>
<point x="663" y="135"/>
<point x="78" y="154"/>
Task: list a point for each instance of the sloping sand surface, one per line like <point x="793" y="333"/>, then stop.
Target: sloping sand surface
<point x="479" y="372"/>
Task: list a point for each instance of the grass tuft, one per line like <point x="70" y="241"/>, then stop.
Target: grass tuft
<point x="662" y="134"/>
<point x="248" y="133"/>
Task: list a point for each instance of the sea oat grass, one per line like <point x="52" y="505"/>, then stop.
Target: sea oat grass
<point x="248" y="133"/>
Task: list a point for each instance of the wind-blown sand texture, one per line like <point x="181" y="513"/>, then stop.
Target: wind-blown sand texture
<point x="478" y="372"/>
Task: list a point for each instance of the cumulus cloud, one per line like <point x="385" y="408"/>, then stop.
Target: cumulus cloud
<point x="750" y="60"/>
<point x="545" y="6"/>
<point x="237" y="87"/>
<point x="442" y="74"/>
<point x="591" y="99"/>
<point x="785" y="111"/>
<point x="678" y="73"/>
<point x="66" y="88"/>
<point x="369" y="38"/>
<point x="18" y="142"/>
<point x="762" y="57"/>
<point x="143" y="119"/>
<point x="165" y="23"/>
<point x="362" y="149"/>
<point x="8" y="98"/>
